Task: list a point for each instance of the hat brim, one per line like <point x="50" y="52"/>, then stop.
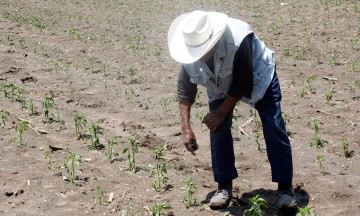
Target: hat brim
<point x="183" y="53"/>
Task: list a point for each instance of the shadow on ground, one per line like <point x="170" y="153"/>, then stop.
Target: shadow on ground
<point x="239" y="204"/>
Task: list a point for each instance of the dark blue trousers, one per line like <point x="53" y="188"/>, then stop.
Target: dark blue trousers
<point x="277" y="142"/>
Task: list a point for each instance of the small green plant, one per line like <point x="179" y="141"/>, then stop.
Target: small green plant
<point x="190" y="188"/>
<point x="46" y="104"/>
<point x="131" y="153"/>
<point x="4" y="117"/>
<point x="347" y="152"/>
<point x="132" y="72"/>
<point x="329" y="93"/>
<point x="95" y="130"/>
<point x="99" y="197"/>
<point x="287" y="119"/>
<point x="257" y="207"/>
<point x="145" y="103"/>
<point x="306" y="211"/>
<point x="334" y="59"/>
<point x="59" y="119"/>
<point x="310" y="82"/>
<point x="165" y="102"/>
<point x="20" y="128"/>
<point x="49" y="154"/>
<point x="72" y="160"/>
<point x="352" y="87"/>
<point x="160" y="170"/>
<point x="79" y="123"/>
<point x="110" y="149"/>
<point x="253" y="113"/>
<point x="316" y="123"/>
<point x="201" y="115"/>
<point x="257" y="140"/>
<point x="157" y="208"/>
<point x="304" y="89"/>
<point x="32" y="108"/>
<point x="320" y="160"/>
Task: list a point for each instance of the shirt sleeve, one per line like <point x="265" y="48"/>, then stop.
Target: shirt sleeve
<point x="242" y="82"/>
<point x="186" y="89"/>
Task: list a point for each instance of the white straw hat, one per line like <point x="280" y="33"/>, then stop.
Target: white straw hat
<point x="192" y="35"/>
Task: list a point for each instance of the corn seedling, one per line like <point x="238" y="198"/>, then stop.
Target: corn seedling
<point x="190" y="188"/>
<point x="253" y="113"/>
<point x="160" y="170"/>
<point x="4" y="117"/>
<point x="351" y="86"/>
<point x="130" y="93"/>
<point x="287" y="119"/>
<point x="58" y="118"/>
<point x="79" y="123"/>
<point x="49" y="154"/>
<point x="310" y="82"/>
<point x="257" y="140"/>
<point x="316" y="123"/>
<point x="334" y="59"/>
<point x="329" y="93"/>
<point x="157" y="209"/>
<point x="110" y="149"/>
<point x="20" y="128"/>
<point x="306" y="211"/>
<point x="165" y="102"/>
<point x="348" y="153"/>
<point x="304" y="89"/>
<point x="99" y="197"/>
<point x="95" y="130"/>
<point x="257" y="207"/>
<point x="131" y="153"/>
<point x="320" y="160"/>
<point x="32" y="108"/>
<point x="72" y="160"/>
<point x="46" y="104"/>
<point x="132" y="72"/>
<point x="145" y="103"/>
<point x="201" y="115"/>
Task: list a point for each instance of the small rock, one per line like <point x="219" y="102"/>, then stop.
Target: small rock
<point x="111" y="197"/>
<point x="58" y="174"/>
<point x="18" y="192"/>
<point x="65" y="178"/>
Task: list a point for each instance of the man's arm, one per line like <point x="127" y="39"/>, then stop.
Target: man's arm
<point x="186" y="94"/>
<point x="241" y="86"/>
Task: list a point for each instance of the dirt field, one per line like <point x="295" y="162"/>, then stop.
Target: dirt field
<point x="109" y="61"/>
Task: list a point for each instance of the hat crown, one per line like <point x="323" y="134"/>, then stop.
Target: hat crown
<point x="197" y="29"/>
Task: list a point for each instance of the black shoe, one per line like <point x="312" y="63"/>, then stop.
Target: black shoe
<point x="286" y="198"/>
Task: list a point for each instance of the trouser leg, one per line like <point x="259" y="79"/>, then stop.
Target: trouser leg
<point x="277" y="142"/>
<point x="222" y="150"/>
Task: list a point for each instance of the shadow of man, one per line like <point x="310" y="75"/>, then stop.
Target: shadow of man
<point x="239" y="204"/>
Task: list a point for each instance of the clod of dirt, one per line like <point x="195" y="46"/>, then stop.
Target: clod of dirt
<point x="16" y="193"/>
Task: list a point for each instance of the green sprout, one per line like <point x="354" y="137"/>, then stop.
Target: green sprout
<point x="72" y="160"/>
<point x="110" y="149"/>
<point x="49" y="154"/>
<point x="190" y="188"/>
<point x="306" y="211"/>
<point x="4" y="117"/>
<point x="287" y="119"/>
<point x="31" y="107"/>
<point x="316" y="123"/>
<point x="160" y="170"/>
<point x="47" y="103"/>
<point x="257" y="140"/>
<point x="131" y="153"/>
<point x="329" y="93"/>
<point x="79" y="123"/>
<point x="99" y="196"/>
<point x="157" y="208"/>
<point x="165" y="102"/>
<point x="95" y="130"/>
<point x="348" y="153"/>
<point x="257" y="207"/>
<point x="20" y="128"/>
<point x="320" y="160"/>
<point x="201" y="115"/>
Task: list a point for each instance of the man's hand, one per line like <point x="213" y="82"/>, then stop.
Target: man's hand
<point x="189" y="140"/>
<point x="213" y="120"/>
